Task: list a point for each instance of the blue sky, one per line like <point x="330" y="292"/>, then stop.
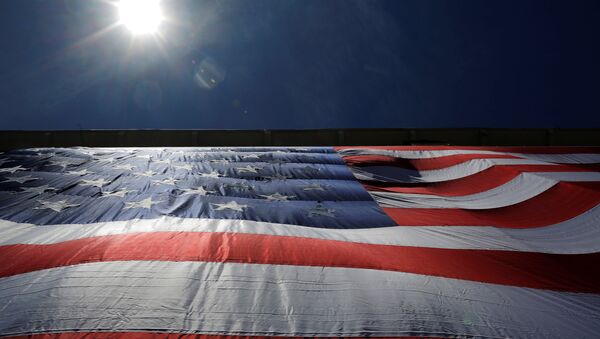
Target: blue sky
<point x="296" y="64"/>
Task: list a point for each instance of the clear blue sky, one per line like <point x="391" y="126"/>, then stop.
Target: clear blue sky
<point x="302" y="64"/>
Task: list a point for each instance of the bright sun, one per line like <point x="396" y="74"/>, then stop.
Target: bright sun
<point x="140" y="16"/>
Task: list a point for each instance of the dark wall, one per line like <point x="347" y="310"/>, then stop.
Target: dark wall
<point x="325" y="137"/>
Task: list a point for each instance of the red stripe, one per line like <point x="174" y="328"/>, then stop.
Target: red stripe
<point x="516" y="149"/>
<point x="578" y="273"/>
<point x="152" y="335"/>
<point x="479" y="182"/>
<point x="561" y="202"/>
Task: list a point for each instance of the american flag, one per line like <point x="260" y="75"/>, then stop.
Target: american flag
<point x="441" y="242"/>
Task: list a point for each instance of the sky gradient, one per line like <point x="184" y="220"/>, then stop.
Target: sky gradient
<point x="296" y="64"/>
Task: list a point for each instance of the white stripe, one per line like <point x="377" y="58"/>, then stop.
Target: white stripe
<point x="523" y="187"/>
<point x="581" y="158"/>
<point x="462" y="170"/>
<point x="249" y="299"/>
<point x="566" y="158"/>
<point x="576" y="236"/>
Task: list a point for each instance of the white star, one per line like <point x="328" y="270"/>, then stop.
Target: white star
<point x="183" y="167"/>
<point x="248" y="169"/>
<point x="37" y="190"/>
<point x="311" y="169"/>
<point x="167" y="181"/>
<point x="56" y="206"/>
<point x="87" y="152"/>
<point x="98" y="183"/>
<point x="213" y="174"/>
<point x="126" y="167"/>
<point x="278" y="177"/>
<point x="63" y="164"/>
<point x="220" y="161"/>
<point x="320" y="210"/>
<point x="223" y="150"/>
<point x="20" y="180"/>
<point x="120" y="193"/>
<point x="82" y="172"/>
<point x="313" y="187"/>
<point x="238" y="186"/>
<point x="198" y="190"/>
<point x="145" y="174"/>
<point x="110" y="159"/>
<point x="12" y="169"/>
<point x="146" y="203"/>
<point x="45" y="155"/>
<point x="166" y="161"/>
<point x="232" y="205"/>
<point x="4" y="161"/>
<point x="277" y="197"/>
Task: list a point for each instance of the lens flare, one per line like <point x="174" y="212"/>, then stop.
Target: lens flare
<point x="140" y="16"/>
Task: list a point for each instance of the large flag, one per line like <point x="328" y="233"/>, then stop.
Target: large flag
<point x="441" y="242"/>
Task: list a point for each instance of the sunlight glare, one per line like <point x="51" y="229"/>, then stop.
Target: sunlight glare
<point x="140" y="16"/>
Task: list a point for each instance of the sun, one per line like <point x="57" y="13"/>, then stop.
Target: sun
<point x="140" y="16"/>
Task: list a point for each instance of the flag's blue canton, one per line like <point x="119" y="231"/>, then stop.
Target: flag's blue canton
<point x="302" y="186"/>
